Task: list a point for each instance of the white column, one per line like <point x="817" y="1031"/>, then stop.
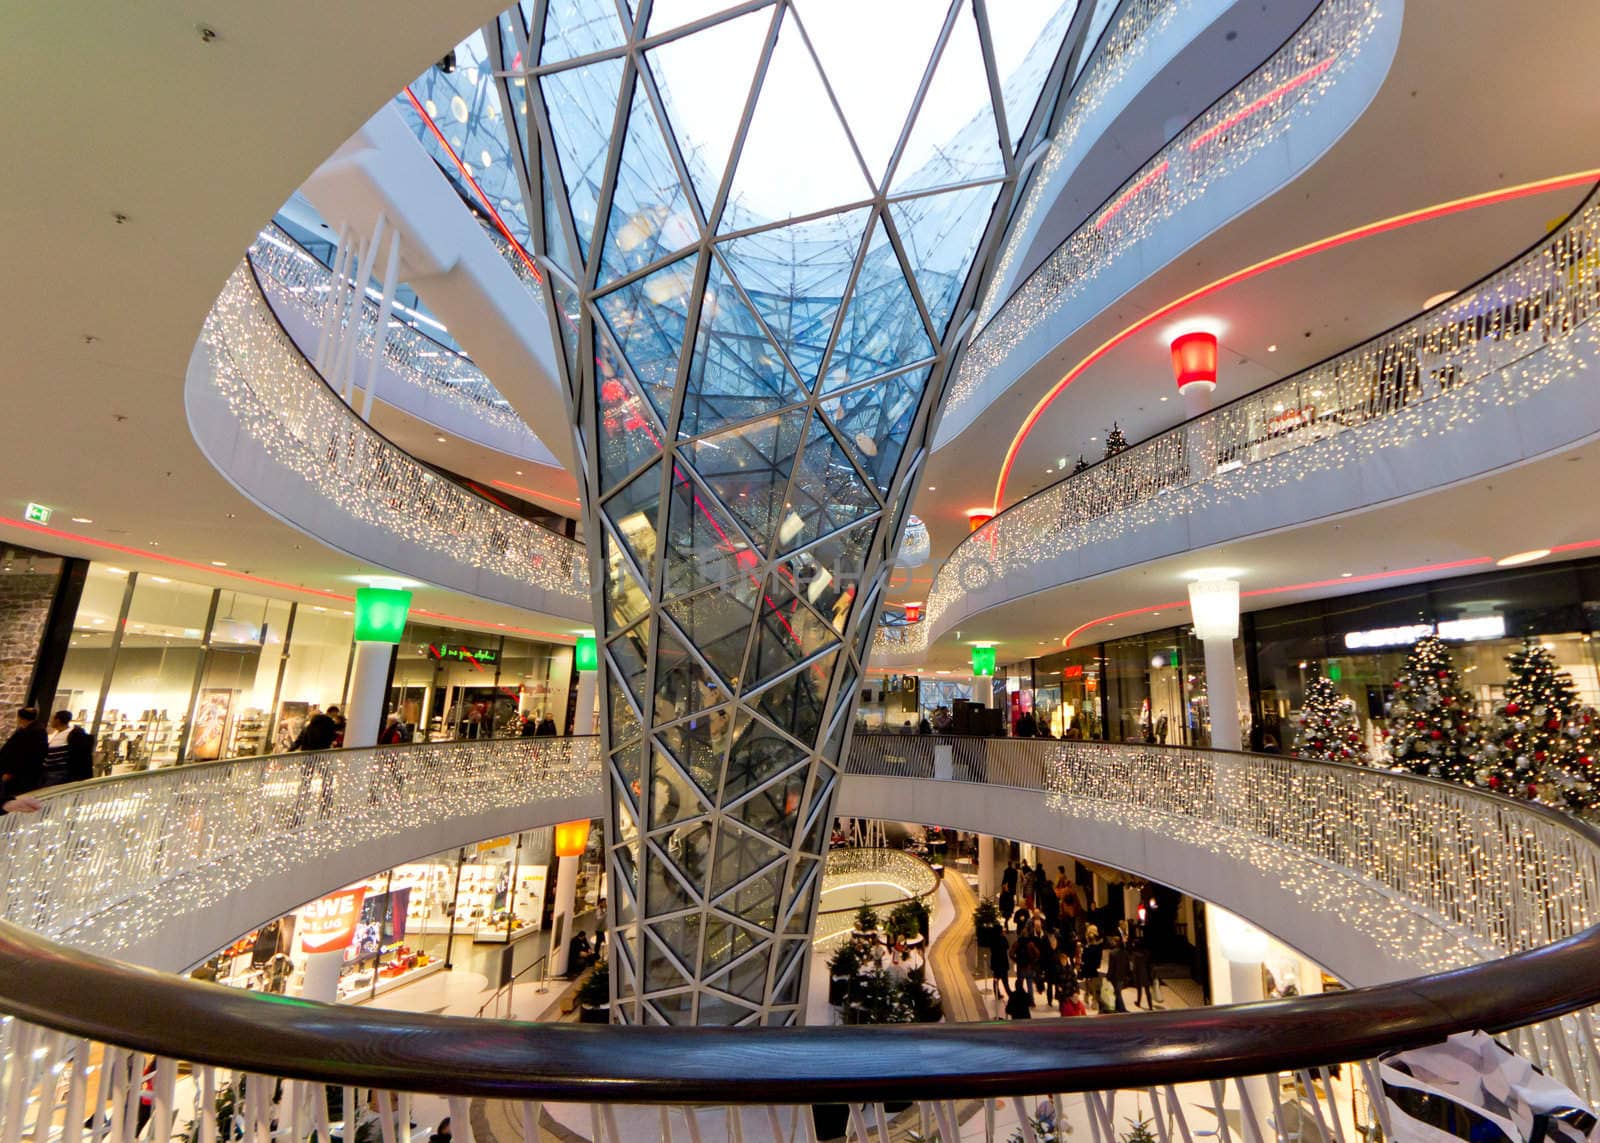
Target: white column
<point x="380" y="337"/>
<point x="561" y="923"/>
<point x="333" y="304"/>
<point x="321" y="979"/>
<point x="368" y="689"/>
<point x="1237" y="949"/>
<point x="583" y="721"/>
<point x="988" y="881"/>
<point x="1196" y="398"/>
<point x="1222" y="691"/>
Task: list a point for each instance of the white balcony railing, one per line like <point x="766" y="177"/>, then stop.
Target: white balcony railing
<point x="1524" y="329"/>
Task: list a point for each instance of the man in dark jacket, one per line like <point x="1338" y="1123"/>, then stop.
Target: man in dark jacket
<point x="319" y="733"/>
<point x="22" y="756"/>
<point x="70" y="755"/>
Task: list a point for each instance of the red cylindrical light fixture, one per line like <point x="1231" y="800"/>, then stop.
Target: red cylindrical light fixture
<point x="1194" y="360"/>
<point x="978" y="517"/>
<point x="572" y="838"/>
<point x="913" y="612"/>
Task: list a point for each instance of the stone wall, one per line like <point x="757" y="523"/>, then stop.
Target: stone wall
<point x="24" y="609"/>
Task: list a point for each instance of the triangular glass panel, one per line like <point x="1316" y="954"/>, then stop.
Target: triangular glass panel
<point x="569" y="314"/>
<point x="759" y="754"/>
<point x="747" y="979"/>
<point x="940" y="233"/>
<point x="575" y="28"/>
<point x="683" y="685"/>
<point x="717" y="622"/>
<point x="827" y="492"/>
<point x="628" y="433"/>
<point x="757" y="900"/>
<point x="688" y="847"/>
<point x="774" y="809"/>
<point x="661" y="960"/>
<point x="676" y="1008"/>
<point x="650" y="212"/>
<point x="936" y="156"/>
<point x="663" y="891"/>
<point x="736" y="372"/>
<point x="698" y="745"/>
<point x="847" y="687"/>
<point x="748" y="468"/>
<point x="787" y="632"/>
<point x="633" y="513"/>
<point x="875" y="421"/>
<point x="722" y="1012"/>
<point x="624" y="595"/>
<point x="704" y="546"/>
<point x="739" y="854"/>
<point x="666" y="14"/>
<point x="797" y="704"/>
<point x="1027" y="34"/>
<point x="826" y="575"/>
<point x="796" y="157"/>
<point x="556" y="241"/>
<point x="789" y="973"/>
<point x="799" y="902"/>
<point x="706" y="116"/>
<point x="818" y="835"/>
<point x="673" y="798"/>
<point x="648" y="316"/>
<point x="627" y="912"/>
<point x="796" y="276"/>
<point x="624" y="719"/>
<point x="876" y="99"/>
<point x="726" y="941"/>
<point x="882" y="328"/>
<point x="582" y="103"/>
<point x="630" y="654"/>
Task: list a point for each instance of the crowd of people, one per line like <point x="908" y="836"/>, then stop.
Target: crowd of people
<point x="39" y="754"/>
<point x="1042" y="946"/>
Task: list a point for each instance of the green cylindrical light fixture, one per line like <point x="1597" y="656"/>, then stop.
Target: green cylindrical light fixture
<point x="381" y="614"/>
<point x="983" y="661"/>
<point x="586" y="654"/>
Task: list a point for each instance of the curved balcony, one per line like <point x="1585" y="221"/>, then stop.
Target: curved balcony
<point x="419" y="376"/>
<point x="1246" y="145"/>
<point x="271" y="425"/>
<point x="1507" y="876"/>
<point x="1495" y="376"/>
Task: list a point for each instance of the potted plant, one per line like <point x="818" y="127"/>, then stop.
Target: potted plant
<point x="594" y="996"/>
<point x="866" y="922"/>
<point x="908" y="921"/>
<point x="987" y="924"/>
<point x="842" y="969"/>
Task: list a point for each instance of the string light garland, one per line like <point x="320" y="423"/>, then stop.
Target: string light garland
<point x="1219" y="143"/>
<point x="1523" y="329"/>
<point x="278" y="399"/>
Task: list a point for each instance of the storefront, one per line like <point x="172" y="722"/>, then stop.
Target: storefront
<point x="163" y="672"/>
<point x="411" y="921"/>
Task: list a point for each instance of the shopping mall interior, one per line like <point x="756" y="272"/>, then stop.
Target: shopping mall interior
<point x="538" y="606"/>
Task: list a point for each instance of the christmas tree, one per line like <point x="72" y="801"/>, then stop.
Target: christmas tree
<point x="1541" y="743"/>
<point x="1432" y="727"/>
<point x="1329" y="729"/>
<point x="1115" y="441"/>
<point x="1080" y="466"/>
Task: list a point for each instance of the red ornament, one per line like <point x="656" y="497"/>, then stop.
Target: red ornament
<point x="1538" y="755"/>
<point x="1551" y="725"/>
<point x="1494" y="781"/>
<point x="1421" y="724"/>
<point x="1444" y="674"/>
<point x="1512" y="708"/>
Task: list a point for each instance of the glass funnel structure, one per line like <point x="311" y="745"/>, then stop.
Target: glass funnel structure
<point x="757" y="228"/>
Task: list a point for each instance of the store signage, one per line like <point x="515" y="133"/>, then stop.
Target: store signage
<point x="585" y="654"/>
<point x="456" y="653"/>
<point x="381" y="614"/>
<point x="1075" y="671"/>
<point x="329" y="923"/>
<point x="36" y="513"/>
<point x="1460" y="630"/>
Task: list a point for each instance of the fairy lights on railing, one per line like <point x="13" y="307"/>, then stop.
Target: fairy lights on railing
<point x="281" y="402"/>
<point x="1236" y="128"/>
<point x="1520" y="330"/>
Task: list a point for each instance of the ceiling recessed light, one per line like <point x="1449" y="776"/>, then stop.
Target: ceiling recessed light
<point x="931" y="488"/>
<point x="1523" y="558"/>
<point x="1163" y="399"/>
<point x="82" y="520"/>
<point x="219" y="563"/>
<point x="1272" y="349"/>
<point x="519" y="472"/>
<point x="1346" y="575"/>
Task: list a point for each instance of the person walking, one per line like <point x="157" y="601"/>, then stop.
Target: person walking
<point x="69" y="754"/>
<point x="1093" y="955"/>
<point x="1119" y="971"/>
<point x="1000" y="963"/>
<point x="23" y="755"/>
<point x="1143" y="976"/>
<point x="547" y="727"/>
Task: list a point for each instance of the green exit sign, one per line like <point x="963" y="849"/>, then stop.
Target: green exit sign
<point x="37" y="513"/>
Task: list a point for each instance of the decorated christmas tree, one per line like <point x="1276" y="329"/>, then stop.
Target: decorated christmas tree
<point x="1115" y="441"/>
<point x="1080" y="466"/>
<point x="1432" y="727"/>
<point x="1329" y="730"/>
<point x="1541" y="742"/>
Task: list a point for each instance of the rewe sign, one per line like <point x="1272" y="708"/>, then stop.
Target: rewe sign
<point x="329" y="924"/>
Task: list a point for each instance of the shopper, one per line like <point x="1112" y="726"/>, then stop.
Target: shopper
<point x="1143" y="976"/>
<point x="1119" y="972"/>
<point x="547" y="727"/>
<point x="22" y="757"/>
<point x="320" y="732"/>
<point x="338" y="722"/>
<point x="530" y="726"/>
<point x="441" y="1133"/>
<point x="393" y="733"/>
<point x="69" y="757"/>
<point x="1000" y="963"/>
